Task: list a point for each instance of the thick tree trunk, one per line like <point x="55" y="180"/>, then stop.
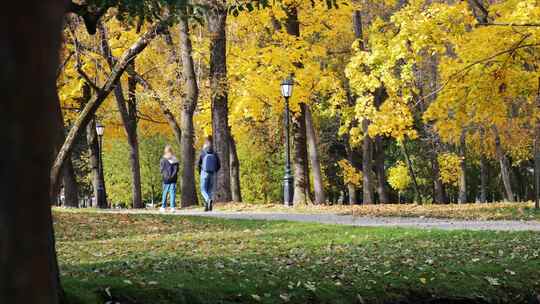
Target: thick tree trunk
<point x="462" y="197"/>
<point x="30" y="35"/>
<point x="299" y="137"/>
<point x="219" y="94"/>
<point x="367" y="165"/>
<point x="95" y="102"/>
<point x="537" y="153"/>
<point x="505" y="166"/>
<point x="71" y="191"/>
<point x="97" y="172"/>
<point x="188" y="190"/>
<point x="483" y="179"/>
<point x="382" y="187"/>
<point x="353" y="198"/>
<point x="133" y="140"/>
<point x="235" y="172"/>
<point x="318" y="185"/>
<point x="368" y="184"/>
<point x="189" y="193"/>
<point x="128" y="114"/>
<point x="301" y="177"/>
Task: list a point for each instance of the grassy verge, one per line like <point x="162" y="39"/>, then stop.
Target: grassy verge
<point x="155" y="259"/>
<point x="492" y="211"/>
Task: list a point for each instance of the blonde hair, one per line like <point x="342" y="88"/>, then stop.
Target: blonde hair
<point x="168" y="150"/>
<point x="207" y="143"/>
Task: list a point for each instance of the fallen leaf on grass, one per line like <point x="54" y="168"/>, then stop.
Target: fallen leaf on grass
<point x="493" y="281"/>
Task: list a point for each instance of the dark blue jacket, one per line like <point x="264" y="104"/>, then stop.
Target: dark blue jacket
<point x="169" y="169"/>
<point x="203" y="154"/>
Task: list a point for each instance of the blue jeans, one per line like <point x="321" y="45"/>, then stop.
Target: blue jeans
<point x="207" y="185"/>
<point x="171" y="190"/>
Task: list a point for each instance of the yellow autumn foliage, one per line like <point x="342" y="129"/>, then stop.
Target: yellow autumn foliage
<point x="450" y="168"/>
<point x="398" y="177"/>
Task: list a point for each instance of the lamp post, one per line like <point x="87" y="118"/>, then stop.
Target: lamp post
<point x="101" y="198"/>
<point x="288" y="190"/>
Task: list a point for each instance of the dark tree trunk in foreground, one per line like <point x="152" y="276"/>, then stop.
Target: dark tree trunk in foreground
<point x="189" y="193"/>
<point x="505" y="166"/>
<point x="537" y="154"/>
<point x="97" y="99"/>
<point x="97" y="172"/>
<point x="301" y="176"/>
<point x="462" y="197"/>
<point x="128" y="114"/>
<point x="235" y="172"/>
<point x="219" y="93"/>
<point x="30" y="36"/>
<point x="318" y="186"/>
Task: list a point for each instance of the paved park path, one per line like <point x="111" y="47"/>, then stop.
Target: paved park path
<point x="408" y="222"/>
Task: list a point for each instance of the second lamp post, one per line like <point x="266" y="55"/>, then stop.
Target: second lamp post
<point x="101" y="197"/>
<point x="288" y="188"/>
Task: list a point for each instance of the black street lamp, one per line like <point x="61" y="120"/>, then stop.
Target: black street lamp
<point x="101" y="197"/>
<point x="288" y="189"/>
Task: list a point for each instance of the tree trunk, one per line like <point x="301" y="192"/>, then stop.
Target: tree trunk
<point x="367" y="165"/>
<point x="318" y="185"/>
<point x="537" y="153"/>
<point x="30" y="35"/>
<point x="189" y="193"/>
<point x="219" y="94"/>
<point x="235" y="172"/>
<point x="411" y="171"/>
<point x="301" y="177"/>
<point x="97" y="99"/>
<point x="97" y="174"/>
<point x="353" y="198"/>
<point x="128" y="114"/>
<point x="483" y="179"/>
<point x="367" y="142"/>
<point x="299" y="137"/>
<point x="462" y="198"/>
<point x="71" y="191"/>
<point x="382" y="187"/>
<point x="503" y="162"/>
<point x="133" y="140"/>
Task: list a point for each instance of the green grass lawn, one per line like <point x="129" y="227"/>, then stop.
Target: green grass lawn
<point x="154" y="259"/>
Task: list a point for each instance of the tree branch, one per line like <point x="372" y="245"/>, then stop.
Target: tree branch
<point x="97" y="99"/>
<point x="510" y="24"/>
<point x="469" y="66"/>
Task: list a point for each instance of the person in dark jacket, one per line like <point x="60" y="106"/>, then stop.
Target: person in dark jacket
<point x="169" y="171"/>
<point x="209" y="165"/>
